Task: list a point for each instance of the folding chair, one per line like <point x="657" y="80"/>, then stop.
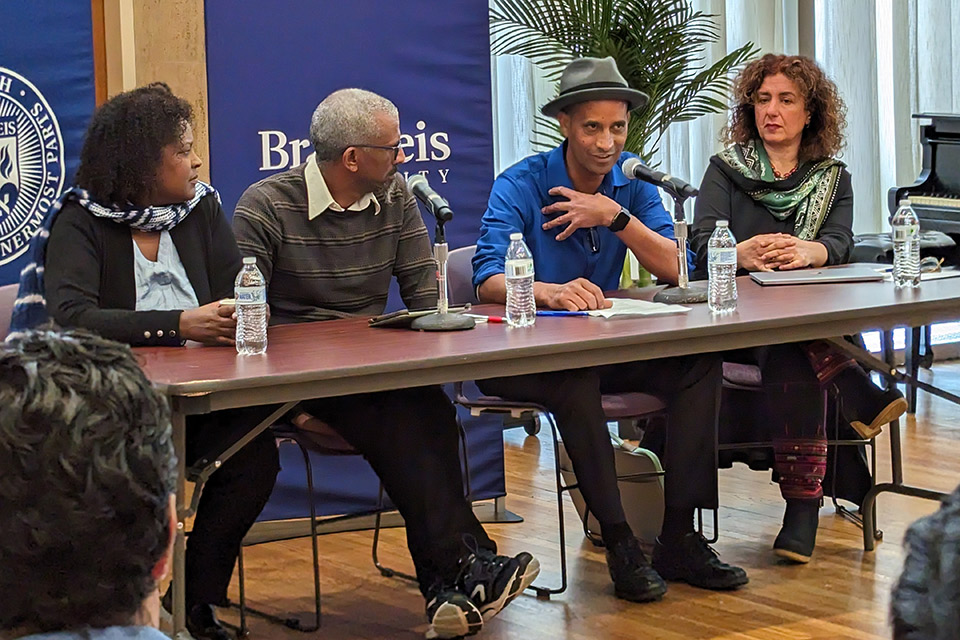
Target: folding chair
<point x="328" y="442"/>
<point x="747" y="377"/>
<point x="617" y="407"/>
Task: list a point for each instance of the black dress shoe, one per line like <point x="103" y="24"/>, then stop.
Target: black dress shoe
<point x="202" y="620"/>
<point x="866" y="406"/>
<point x="797" y="538"/>
<point x="633" y="577"/>
<point x="202" y="623"/>
<point x="690" y="559"/>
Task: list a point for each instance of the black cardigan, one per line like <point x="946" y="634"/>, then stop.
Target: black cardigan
<point x="89" y="272"/>
<point x="721" y="199"/>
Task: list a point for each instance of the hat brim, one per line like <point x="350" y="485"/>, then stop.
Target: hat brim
<point x="634" y="99"/>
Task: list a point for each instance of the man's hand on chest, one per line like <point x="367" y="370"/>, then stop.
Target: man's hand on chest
<point x="579" y="211"/>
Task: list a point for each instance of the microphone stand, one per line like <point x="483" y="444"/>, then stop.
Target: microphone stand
<point x="685" y="292"/>
<point x="442" y="320"/>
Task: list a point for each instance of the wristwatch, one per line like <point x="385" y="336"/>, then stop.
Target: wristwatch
<point x="620" y="220"/>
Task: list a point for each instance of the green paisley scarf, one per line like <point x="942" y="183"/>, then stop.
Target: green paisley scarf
<point x="808" y="193"/>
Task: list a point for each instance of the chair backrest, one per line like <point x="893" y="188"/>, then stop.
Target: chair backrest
<point x="8" y="295"/>
<point x="460" y="275"/>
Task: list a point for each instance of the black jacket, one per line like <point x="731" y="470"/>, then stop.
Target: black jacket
<point x="721" y="199"/>
<point x="89" y="272"/>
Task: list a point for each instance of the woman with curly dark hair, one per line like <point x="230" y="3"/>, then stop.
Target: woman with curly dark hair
<point x="789" y="203"/>
<point x="140" y="251"/>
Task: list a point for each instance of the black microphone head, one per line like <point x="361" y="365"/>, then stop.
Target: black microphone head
<point x="416" y="182"/>
<point x="629" y="167"/>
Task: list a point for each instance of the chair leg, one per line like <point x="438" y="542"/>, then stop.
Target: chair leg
<point x="716" y="524"/>
<point x="468" y="492"/>
<point x="386" y="572"/>
<point x="314" y="544"/>
<point x="865" y="523"/>
<point x="546" y="592"/>
<point x="242" y="630"/>
<point x="289" y="622"/>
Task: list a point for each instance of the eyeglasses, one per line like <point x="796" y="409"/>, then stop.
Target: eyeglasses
<point x="395" y="148"/>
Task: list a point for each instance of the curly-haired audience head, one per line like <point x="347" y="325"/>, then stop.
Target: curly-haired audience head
<point x="88" y="469"/>
<point x="822" y="136"/>
<point x="123" y="151"/>
<point x="926" y="599"/>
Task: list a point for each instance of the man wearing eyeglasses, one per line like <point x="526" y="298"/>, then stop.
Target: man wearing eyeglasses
<point x="329" y="235"/>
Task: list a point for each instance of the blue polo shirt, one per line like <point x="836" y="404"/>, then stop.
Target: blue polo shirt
<point x="596" y="254"/>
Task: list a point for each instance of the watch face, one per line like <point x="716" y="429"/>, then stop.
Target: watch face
<point x="620" y="221"/>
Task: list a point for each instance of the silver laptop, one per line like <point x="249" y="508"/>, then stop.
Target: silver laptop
<point x="839" y="273"/>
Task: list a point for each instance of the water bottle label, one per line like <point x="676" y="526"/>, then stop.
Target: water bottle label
<point x="905" y="232"/>
<point x="718" y="255"/>
<point x="251" y="295"/>
<point x="519" y="268"/>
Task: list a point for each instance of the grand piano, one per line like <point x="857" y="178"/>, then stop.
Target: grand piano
<point x="935" y="195"/>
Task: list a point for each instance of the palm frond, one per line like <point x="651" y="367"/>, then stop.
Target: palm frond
<point x="659" y="46"/>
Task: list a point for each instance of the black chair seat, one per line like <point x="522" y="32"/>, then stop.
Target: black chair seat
<point x="742" y="375"/>
<point x="617" y="406"/>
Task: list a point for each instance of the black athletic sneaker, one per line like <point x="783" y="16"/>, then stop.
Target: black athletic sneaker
<point x="633" y="577"/>
<point x="491" y="581"/>
<point x="692" y="560"/>
<point x="526" y="574"/>
<point x="451" y="614"/>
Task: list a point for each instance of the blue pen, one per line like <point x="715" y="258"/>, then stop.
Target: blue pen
<point x="562" y="313"/>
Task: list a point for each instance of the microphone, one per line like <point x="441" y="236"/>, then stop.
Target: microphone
<point x="430" y="198"/>
<point x="634" y="169"/>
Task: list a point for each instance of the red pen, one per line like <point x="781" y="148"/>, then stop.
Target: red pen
<point x="479" y="318"/>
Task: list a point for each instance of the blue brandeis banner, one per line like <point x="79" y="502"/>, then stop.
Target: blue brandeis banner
<point x="270" y="63"/>
<point x="46" y="100"/>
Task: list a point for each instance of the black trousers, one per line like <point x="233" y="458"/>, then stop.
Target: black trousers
<point x="410" y="438"/>
<point x="231" y="500"/>
<point x="691" y="387"/>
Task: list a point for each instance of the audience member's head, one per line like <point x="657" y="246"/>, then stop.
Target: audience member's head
<point x="926" y="599"/>
<point x="134" y="140"/>
<point x="87" y="473"/>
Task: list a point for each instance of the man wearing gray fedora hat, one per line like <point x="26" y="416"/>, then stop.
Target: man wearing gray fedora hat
<point x="579" y="214"/>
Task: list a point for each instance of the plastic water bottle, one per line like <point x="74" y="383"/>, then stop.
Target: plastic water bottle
<point x="518" y="269"/>
<point x="722" y="269"/>
<point x="906" y="246"/>
<point x="250" y="291"/>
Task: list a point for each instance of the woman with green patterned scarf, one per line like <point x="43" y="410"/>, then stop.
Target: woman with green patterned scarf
<point x="789" y="203"/>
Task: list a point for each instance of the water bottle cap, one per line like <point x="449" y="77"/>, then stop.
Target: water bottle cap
<point x="249" y="260"/>
<point x="516" y="236"/>
<point x="723" y="223"/>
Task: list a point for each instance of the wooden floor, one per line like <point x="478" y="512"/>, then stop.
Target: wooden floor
<point x="843" y="593"/>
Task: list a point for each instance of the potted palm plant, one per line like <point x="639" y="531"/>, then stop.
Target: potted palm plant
<point x="658" y="45"/>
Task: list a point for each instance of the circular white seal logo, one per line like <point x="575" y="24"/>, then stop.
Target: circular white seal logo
<point x="31" y="162"/>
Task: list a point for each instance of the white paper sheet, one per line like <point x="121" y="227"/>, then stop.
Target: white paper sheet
<point x="629" y="307"/>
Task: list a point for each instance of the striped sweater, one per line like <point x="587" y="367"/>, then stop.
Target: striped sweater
<point x="340" y="263"/>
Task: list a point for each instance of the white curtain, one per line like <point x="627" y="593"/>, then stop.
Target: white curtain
<point x="889" y="58"/>
<point x="771" y="25"/>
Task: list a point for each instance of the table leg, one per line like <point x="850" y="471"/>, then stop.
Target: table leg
<point x="912" y="364"/>
<point x="179" y="423"/>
